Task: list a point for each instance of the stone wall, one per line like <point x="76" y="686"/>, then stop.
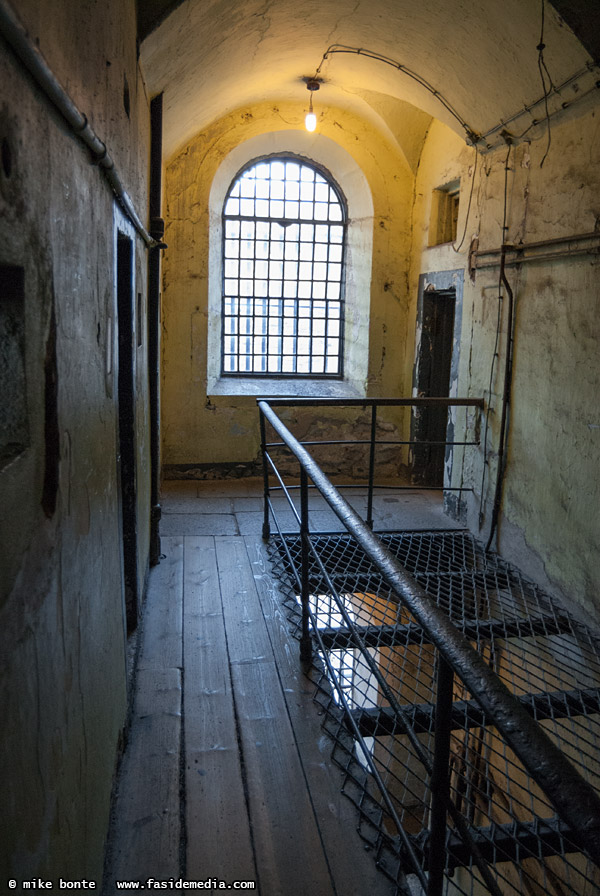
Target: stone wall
<point x="549" y="515"/>
<point x="61" y="606"/>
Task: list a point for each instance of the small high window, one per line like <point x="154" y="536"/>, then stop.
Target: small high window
<point x="284" y="230"/>
<point x="444" y="214"/>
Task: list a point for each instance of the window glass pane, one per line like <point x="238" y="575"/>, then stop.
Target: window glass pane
<point x="305" y="270"/>
<point x="262" y="189"/>
<point x="291" y="251"/>
<point x="277" y="189"/>
<point x="322" y="191"/>
<point x="307" y="192"/>
<point x="320" y="271"/>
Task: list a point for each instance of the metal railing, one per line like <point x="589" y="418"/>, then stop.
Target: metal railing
<point x="448" y="836"/>
<point x="373" y="442"/>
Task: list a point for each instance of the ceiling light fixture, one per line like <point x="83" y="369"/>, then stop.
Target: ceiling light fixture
<point x="310" y="122"/>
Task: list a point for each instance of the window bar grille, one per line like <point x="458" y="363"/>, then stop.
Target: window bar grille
<point x="284" y="225"/>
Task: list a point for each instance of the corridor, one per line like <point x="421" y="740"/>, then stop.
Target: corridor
<point x="227" y="772"/>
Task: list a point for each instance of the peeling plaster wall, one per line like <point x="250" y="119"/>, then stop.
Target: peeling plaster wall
<point x="199" y="428"/>
<point x="62" y="654"/>
<point x="549" y="516"/>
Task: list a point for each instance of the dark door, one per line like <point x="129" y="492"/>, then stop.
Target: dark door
<point x="433" y="380"/>
<point x="126" y="449"/>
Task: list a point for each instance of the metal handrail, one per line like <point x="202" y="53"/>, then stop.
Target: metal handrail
<point x="573" y="798"/>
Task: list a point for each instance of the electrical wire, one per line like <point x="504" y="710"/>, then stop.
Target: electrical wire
<point x="497" y="340"/>
<point x="543" y="69"/>
<point x="458" y="248"/>
<point x="472" y="136"/>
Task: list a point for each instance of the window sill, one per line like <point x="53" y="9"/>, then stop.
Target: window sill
<point x="283" y="387"/>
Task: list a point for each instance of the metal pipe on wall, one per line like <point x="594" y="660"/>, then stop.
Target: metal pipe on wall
<point x="561" y="247"/>
<point x="503" y="439"/>
<point x="17" y="38"/>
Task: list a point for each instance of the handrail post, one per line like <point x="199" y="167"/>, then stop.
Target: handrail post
<point x="440" y="778"/>
<point x="266" y="529"/>
<point x="371" y="467"/>
<point x="305" y="641"/>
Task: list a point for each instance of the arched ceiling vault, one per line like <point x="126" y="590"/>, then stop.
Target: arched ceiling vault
<point x="210" y="57"/>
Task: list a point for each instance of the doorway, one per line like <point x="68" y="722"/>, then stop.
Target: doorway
<point x="432" y="379"/>
<point x="126" y="439"/>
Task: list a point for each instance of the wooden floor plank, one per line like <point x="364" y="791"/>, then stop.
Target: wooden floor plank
<point x="161" y="646"/>
<point x="147" y="828"/>
<point x="247" y="638"/>
<point x="289" y="854"/>
<point x="218" y="833"/>
<point x="352" y="865"/>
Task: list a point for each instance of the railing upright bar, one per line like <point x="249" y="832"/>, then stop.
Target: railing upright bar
<point x="440" y="779"/>
<point x="305" y="641"/>
<point x="371" y="466"/>
<point x="266" y="529"/>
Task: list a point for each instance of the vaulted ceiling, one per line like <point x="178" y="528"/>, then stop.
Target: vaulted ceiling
<point x="210" y="57"/>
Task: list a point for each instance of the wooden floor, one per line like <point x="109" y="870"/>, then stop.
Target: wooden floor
<point x="227" y="772"/>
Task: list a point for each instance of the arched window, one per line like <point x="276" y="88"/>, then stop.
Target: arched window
<point x="284" y="234"/>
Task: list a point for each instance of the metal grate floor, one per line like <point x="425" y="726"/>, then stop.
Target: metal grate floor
<point x="385" y="672"/>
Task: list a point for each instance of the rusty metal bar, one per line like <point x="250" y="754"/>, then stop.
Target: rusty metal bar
<point x="440" y="779"/>
<point x="414" y="401"/>
<point x="266" y="529"/>
<point x="371" y="466"/>
<point x="305" y="641"/>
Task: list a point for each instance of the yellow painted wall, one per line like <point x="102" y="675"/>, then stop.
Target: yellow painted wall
<point x="198" y="428"/>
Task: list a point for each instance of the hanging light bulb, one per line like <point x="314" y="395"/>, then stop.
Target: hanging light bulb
<point x="310" y="122"/>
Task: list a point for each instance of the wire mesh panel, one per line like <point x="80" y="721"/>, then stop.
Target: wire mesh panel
<point x="378" y="684"/>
